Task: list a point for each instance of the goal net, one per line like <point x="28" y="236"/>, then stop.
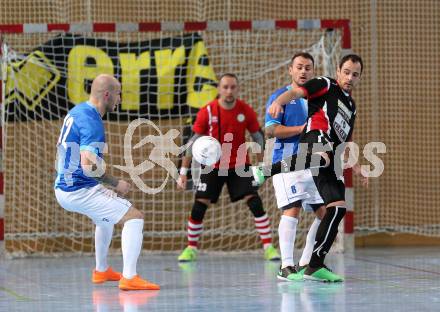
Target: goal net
<point x="166" y="77"/>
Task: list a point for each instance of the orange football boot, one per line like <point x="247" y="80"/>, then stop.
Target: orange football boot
<point x="137" y="283"/>
<point x="109" y="275"/>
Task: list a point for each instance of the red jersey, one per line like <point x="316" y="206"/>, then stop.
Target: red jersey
<point x="228" y="126"/>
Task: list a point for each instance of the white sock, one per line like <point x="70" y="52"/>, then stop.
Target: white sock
<point x="310" y="242"/>
<point x="131" y="243"/>
<point x="287" y="233"/>
<point x="103" y="237"/>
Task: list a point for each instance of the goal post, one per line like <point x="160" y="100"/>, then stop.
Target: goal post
<point x="168" y="71"/>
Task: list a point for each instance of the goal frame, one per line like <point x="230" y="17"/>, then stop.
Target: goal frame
<point x="192" y="26"/>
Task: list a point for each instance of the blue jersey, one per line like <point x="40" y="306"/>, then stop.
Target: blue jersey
<point x="82" y="129"/>
<point x="295" y="114"/>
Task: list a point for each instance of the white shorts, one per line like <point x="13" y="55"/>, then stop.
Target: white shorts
<point x="294" y="186"/>
<point x="99" y="203"/>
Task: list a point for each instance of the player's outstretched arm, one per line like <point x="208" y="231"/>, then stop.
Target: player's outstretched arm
<point x="277" y="106"/>
<point x="94" y="167"/>
<point x="283" y="132"/>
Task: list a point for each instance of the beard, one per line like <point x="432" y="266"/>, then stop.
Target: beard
<point x="110" y="107"/>
<point x="229" y="102"/>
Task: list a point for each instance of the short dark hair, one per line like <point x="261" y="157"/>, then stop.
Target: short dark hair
<point x="231" y="75"/>
<point x="305" y="55"/>
<point x="351" y="57"/>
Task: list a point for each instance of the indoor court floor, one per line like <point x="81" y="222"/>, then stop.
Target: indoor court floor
<point x="387" y="279"/>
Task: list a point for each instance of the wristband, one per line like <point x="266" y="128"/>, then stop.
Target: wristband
<point x="183" y="171"/>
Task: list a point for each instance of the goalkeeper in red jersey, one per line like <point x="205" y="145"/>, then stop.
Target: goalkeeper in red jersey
<point x="227" y="119"/>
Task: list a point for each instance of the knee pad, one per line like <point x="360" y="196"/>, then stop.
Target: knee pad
<point x="198" y="211"/>
<point x="256" y="206"/>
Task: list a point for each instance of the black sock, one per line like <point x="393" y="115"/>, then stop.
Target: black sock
<point x="198" y="211"/>
<point x="256" y="206"/>
<point x="326" y="234"/>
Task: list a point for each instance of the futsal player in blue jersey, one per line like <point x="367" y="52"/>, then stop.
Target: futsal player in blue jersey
<point x="293" y="190"/>
<point x="79" y="184"/>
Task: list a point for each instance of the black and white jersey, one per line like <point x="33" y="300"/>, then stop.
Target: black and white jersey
<point x="331" y="109"/>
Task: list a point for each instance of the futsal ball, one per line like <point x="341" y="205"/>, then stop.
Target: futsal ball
<point x="206" y="150"/>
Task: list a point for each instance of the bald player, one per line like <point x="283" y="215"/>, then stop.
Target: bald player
<point x="79" y="184"/>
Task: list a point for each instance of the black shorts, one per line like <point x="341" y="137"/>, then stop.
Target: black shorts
<point x="210" y="185"/>
<point x="329" y="185"/>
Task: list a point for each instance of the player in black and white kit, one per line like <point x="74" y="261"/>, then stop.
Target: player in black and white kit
<point x="330" y="123"/>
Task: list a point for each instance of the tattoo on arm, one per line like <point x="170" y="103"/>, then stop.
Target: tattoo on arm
<point x="258" y="137"/>
<point x="270" y="131"/>
<point x="108" y="179"/>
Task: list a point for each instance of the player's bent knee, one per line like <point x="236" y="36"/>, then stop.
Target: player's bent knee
<point x="340" y="203"/>
<point x="132" y="213"/>
<point x="320" y="212"/>
<point x="205" y="201"/>
<point x="292" y="212"/>
<point x="137" y="214"/>
<point x="335" y="214"/>
<point x="247" y="197"/>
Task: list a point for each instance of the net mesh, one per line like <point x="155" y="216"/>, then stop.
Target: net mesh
<point x="34" y="111"/>
<point x="397" y="42"/>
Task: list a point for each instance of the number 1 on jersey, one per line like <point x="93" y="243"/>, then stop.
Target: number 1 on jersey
<point x="67" y="125"/>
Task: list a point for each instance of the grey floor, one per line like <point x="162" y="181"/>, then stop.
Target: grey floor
<point x="376" y="280"/>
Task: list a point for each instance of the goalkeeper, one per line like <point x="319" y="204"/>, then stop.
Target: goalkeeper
<point x="226" y="118"/>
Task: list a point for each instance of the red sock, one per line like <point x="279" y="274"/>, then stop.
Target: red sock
<point x="262" y="224"/>
<point x="195" y="229"/>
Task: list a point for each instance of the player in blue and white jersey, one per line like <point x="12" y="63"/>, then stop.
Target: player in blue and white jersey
<point x="79" y="184"/>
<point x="293" y="190"/>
